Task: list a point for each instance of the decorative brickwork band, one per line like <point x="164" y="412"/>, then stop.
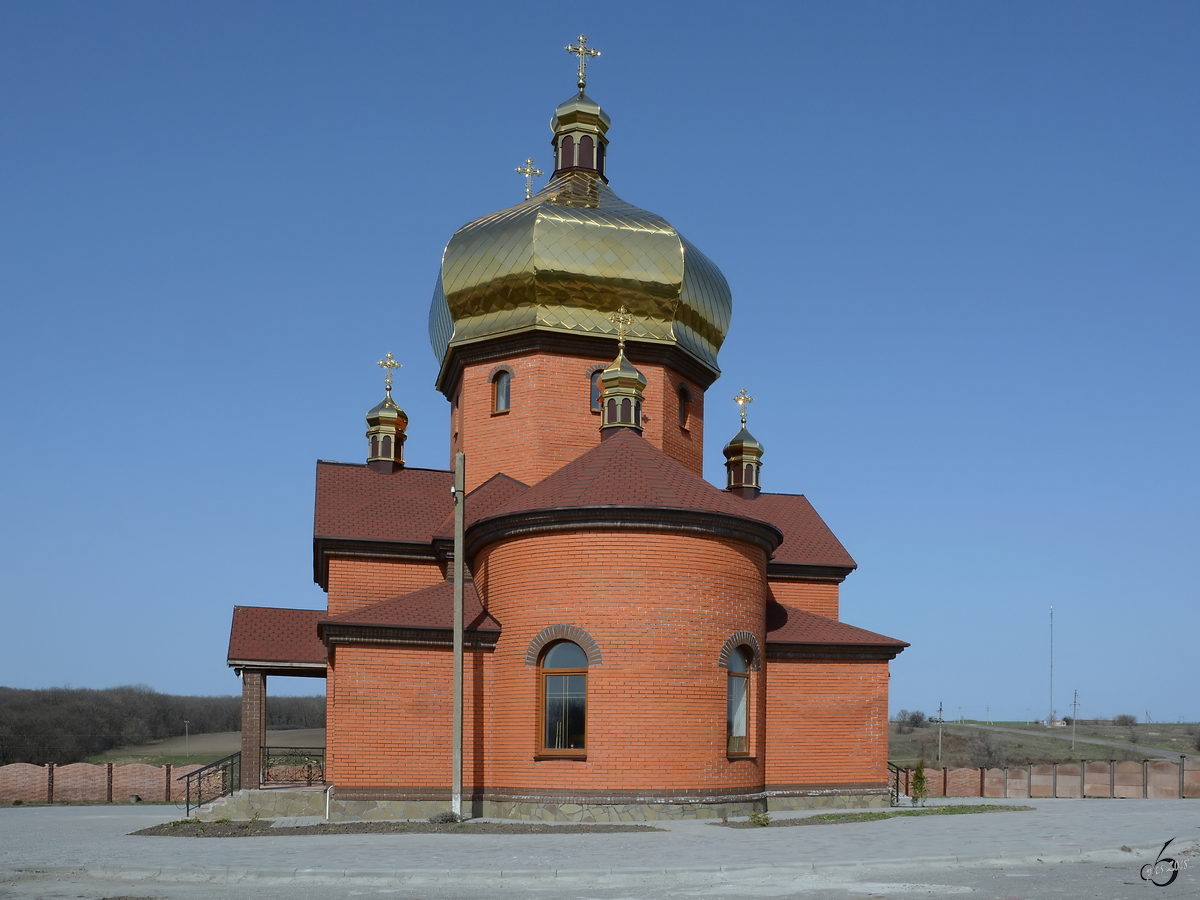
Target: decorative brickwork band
<point x="563" y="633"/>
<point x="740" y="639"/>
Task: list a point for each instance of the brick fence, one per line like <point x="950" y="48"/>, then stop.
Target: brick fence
<point x="97" y="783"/>
<point x="1154" y="779"/>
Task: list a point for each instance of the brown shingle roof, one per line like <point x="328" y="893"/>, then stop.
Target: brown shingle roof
<point x="626" y="470"/>
<point x="788" y="625"/>
<point x="356" y="503"/>
<point x="431" y="608"/>
<point x="807" y="540"/>
<point x="483" y="501"/>
<point x="271" y="635"/>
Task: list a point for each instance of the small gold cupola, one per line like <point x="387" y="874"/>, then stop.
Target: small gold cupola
<point x="621" y="386"/>
<point x="743" y="456"/>
<point x="580" y="126"/>
<point x="386" y="424"/>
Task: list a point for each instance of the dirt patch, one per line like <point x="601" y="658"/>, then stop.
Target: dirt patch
<point x="850" y="818"/>
<point x="262" y="827"/>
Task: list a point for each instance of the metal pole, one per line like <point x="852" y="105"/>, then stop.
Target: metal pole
<point x="187" y="739"/>
<point x="939" y="731"/>
<point x="1050" y="721"/>
<point x="1074" y="716"/>
<point x="456" y="788"/>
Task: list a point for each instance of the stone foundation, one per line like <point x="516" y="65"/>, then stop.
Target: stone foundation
<point x="277" y="804"/>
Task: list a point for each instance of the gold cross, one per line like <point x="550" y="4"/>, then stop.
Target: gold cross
<point x="743" y="400"/>
<point x="583" y="51"/>
<point x="622" y="319"/>
<point x="528" y="171"/>
<point x="388" y="364"/>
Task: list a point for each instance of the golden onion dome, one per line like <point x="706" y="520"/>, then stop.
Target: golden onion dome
<point x="572" y="255"/>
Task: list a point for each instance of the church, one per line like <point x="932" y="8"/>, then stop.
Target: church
<point x="636" y="642"/>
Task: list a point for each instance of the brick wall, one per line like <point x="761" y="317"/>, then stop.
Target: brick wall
<point x="355" y="583"/>
<point x="827" y="722"/>
<point x="85" y="782"/>
<point x="550" y="421"/>
<point x="813" y="597"/>
<point x="660" y="607"/>
<point x="390" y="718"/>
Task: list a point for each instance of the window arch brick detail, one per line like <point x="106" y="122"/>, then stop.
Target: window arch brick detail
<point x="552" y="633"/>
<point x="496" y="370"/>
<point x="741" y="639"/>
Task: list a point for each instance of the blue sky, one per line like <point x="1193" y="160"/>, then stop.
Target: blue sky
<point x="962" y="241"/>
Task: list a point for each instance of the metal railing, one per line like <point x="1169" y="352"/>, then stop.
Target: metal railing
<point x="293" y="765"/>
<point x="214" y="781"/>
<point x="897" y="782"/>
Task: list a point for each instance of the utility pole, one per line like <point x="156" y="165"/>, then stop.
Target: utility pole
<point x="939" y="731"/>
<point x="456" y="786"/>
<point x="1074" y="716"/>
<point x="1050" y="720"/>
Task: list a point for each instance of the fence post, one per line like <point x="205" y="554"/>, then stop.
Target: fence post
<point x="1082" y="779"/>
<point x="1054" y="782"/>
<point x="1006" y="782"/>
<point x="981" y="771"/>
<point x="110" y="774"/>
<point x="1182" y="763"/>
<point x="1112" y="779"/>
<point x="945" y="782"/>
<point x="167" y="792"/>
<point x="50" y="783"/>
<point x="1145" y="779"/>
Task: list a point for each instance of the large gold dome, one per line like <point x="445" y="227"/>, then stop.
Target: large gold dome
<point x="569" y="257"/>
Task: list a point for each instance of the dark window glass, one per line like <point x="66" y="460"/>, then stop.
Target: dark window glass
<point x="626" y="412"/>
<point x="502" y="391"/>
<point x="564" y="697"/>
<point x="737" y="705"/>
<point x="565" y="655"/>
<point x="612" y="411"/>
<point x="387" y="446"/>
<point x="567" y="157"/>
<point x="586" y="151"/>
<point x="596" y="389"/>
<point x="748" y="478"/>
<point x="600" y="157"/>
<point x="685" y="402"/>
<point x="374" y="447"/>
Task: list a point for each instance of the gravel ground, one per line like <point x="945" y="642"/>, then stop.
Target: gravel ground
<point x="263" y="828"/>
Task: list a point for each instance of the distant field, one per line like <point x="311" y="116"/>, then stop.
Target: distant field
<point x="1036" y="743"/>
<point x="205" y="748"/>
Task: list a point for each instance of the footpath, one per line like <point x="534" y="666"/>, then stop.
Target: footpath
<point x="95" y="841"/>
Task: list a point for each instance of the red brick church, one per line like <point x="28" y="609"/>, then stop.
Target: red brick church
<point x="635" y="639"/>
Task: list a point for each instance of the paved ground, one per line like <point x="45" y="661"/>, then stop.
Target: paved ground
<point x="1064" y="849"/>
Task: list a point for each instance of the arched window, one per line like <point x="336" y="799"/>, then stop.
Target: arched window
<point x="564" y="699"/>
<point x="502" y="391"/>
<point x="387" y="446"/>
<point x="596" y="389"/>
<point x="626" y="412"/>
<point x="566" y="157"/>
<point x="737" y="719"/>
<point x="600" y="157"/>
<point x="586" y="151"/>
<point x="685" y="405"/>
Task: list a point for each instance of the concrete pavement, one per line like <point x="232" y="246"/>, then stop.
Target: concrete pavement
<point x="94" y="842"/>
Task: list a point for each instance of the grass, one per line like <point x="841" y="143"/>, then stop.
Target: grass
<point x="1036" y="743"/>
<point x="880" y="815"/>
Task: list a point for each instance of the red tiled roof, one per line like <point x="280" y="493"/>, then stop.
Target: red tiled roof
<point x="788" y="625"/>
<point x="483" y="501"/>
<point x="807" y="540"/>
<point x="626" y="470"/>
<point x="431" y="607"/>
<point x="271" y="635"/>
<point x="356" y="503"/>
